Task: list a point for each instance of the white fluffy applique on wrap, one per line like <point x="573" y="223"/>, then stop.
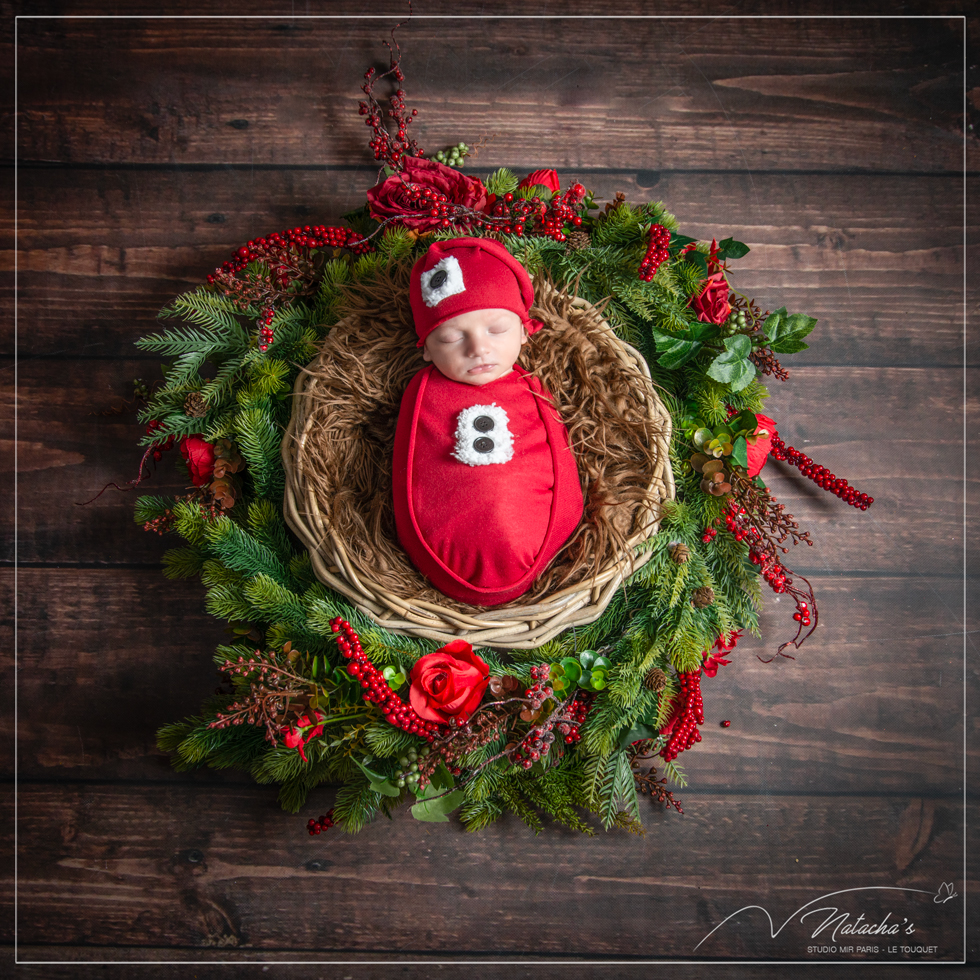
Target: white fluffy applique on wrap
<point x="482" y="436"/>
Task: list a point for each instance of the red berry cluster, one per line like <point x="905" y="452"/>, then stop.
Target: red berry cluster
<point x="690" y="715"/>
<point x="281" y="250"/>
<point x="539" y="691"/>
<point x="514" y="215"/>
<point x="430" y="202"/>
<point x="385" y="148"/>
<point x="265" y="328"/>
<point x="656" y="253"/>
<point x="159" y="448"/>
<point x="324" y="823"/>
<point x="376" y="689"/>
<point x="820" y="475"/>
<point x="576" y="712"/>
<point x="710" y="533"/>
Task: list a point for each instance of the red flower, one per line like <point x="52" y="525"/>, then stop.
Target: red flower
<point x="391" y="199"/>
<point x="724" y="644"/>
<point x="300" y="734"/>
<point x="448" y="683"/>
<point x="712" y="304"/>
<point x="199" y="456"/>
<point x="759" y="443"/>
<point x="547" y="178"/>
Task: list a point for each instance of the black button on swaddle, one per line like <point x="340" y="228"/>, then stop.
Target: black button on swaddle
<point x="483" y="423"/>
<point x="483" y="445"/>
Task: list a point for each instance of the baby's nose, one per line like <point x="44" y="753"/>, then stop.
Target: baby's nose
<point x="477" y="345"/>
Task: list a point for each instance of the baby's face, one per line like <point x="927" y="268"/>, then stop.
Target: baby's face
<point x="477" y="347"/>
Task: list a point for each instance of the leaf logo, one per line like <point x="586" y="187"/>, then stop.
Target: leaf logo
<point x="945" y="893"/>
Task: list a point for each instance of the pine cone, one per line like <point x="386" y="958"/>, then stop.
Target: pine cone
<point x="195" y="406"/>
<point x="679" y="552"/>
<point x="656" y="680"/>
<point x="577" y="239"/>
<point x="703" y="596"/>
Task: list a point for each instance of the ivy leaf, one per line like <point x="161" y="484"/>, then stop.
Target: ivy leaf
<point x="437" y="810"/>
<point x="728" y="248"/>
<point x="732" y="366"/>
<point x="674" y="351"/>
<point x="788" y="333"/>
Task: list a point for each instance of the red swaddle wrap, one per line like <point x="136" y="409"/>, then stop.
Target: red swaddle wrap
<point x="486" y="487"/>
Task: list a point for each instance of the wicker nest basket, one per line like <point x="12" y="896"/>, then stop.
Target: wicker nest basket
<point x="338" y="448"/>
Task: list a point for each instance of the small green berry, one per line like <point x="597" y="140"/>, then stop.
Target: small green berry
<point x="400" y="783"/>
<point x="412" y="755"/>
<point x="403" y="762"/>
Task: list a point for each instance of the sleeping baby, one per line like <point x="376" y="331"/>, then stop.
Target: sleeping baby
<point x="486" y="487"/>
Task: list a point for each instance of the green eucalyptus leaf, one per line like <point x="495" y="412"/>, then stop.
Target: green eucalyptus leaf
<point x="586" y="657"/>
<point x="701" y="436"/>
<point x="586" y="679"/>
<point x="572" y="668"/>
<point x="601" y="662"/>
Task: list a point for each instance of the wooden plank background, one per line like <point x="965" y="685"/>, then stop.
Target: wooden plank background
<point x="148" y="148"/>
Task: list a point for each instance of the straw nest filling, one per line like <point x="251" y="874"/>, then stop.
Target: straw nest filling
<point x="338" y="450"/>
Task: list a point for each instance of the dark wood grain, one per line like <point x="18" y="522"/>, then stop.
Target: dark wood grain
<point x="833" y="146"/>
<point x="889" y="431"/>
<point x="717" y="94"/>
<point x="107" y="866"/>
<point x="102" y="251"/>
<point x="860" y="710"/>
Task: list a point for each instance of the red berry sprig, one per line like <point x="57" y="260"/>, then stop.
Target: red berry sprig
<point x="324" y="823"/>
<point x="387" y="149"/>
<point x="820" y="475"/>
<point x="690" y="714"/>
<point x="376" y="689"/>
<point x="710" y="533"/>
<point x="656" y="253"/>
<point x="264" y="323"/>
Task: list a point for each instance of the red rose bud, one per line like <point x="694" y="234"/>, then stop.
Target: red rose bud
<point x="392" y="199"/>
<point x="712" y="304"/>
<point x="758" y="446"/>
<point x="546" y="178"/>
<point x="199" y="456"/>
<point x="448" y="683"/>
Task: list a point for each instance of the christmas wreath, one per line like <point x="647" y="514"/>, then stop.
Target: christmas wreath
<point x="317" y="691"/>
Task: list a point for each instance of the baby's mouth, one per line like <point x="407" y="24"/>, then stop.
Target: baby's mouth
<point x="481" y="368"/>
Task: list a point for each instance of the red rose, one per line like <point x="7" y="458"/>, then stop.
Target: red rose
<point x="448" y="683"/>
<point x="391" y="199"/>
<point x="199" y="456"/>
<point x="712" y="305"/>
<point x="546" y="178"/>
<point x="758" y="444"/>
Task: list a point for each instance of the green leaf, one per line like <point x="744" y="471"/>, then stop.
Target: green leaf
<point x="602" y="662"/>
<point x="790" y="345"/>
<point x="728" y="248"/>
<point x="677" y="240"/>
<point x="442" y="778"/>
<point x="572" y="669"/>
<point x="636" y="733"/>
<point x="674" y="351"/>
<point x="698" y="259"/>
<point x="732" y="366"/>
<point x="740" y="451"/>
<point x="437" y="810"/>
<point x="385" y="787"/>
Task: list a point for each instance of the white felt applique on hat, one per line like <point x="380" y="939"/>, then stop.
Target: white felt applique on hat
<point x="482" y="436"/>
<point x="443" y="280"/>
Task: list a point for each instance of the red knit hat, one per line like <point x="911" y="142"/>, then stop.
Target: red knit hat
<point x="460" y="275"/>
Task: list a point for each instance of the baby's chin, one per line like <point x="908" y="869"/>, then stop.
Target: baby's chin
<point x="480" y="377"/>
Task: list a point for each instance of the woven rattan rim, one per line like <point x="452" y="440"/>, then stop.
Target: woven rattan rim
<point x="519" y="625"/>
